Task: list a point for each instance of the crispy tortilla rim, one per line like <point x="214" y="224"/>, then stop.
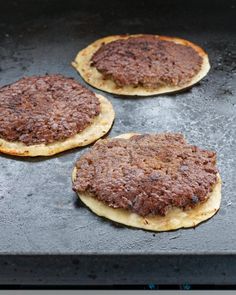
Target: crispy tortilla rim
<point x="174" y="219"/>
<point x="92" y="76"/>
<point x="99" y="127"/>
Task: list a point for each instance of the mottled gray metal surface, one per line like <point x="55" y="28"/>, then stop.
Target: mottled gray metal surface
<point x="113" y="270"/>
<point x="39" y="213"/>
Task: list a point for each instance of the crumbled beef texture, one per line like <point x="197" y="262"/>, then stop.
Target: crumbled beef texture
<point x="147" y="61"/>
<point x="147" y="174"/>
<point x="45" y="109"/>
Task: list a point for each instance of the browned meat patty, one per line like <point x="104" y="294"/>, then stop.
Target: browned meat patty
<point x="147" y="61"/>
<point x="147" y="174"/>
<point x="45" y="109"/>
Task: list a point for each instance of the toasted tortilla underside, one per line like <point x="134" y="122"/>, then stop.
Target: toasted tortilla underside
<point x="174" y="219"/>
<point x="93" y="77"/>
<point x="99" y="127"/>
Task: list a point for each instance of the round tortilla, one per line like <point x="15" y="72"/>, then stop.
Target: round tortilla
<point x="174" y="219"/>
<point x="93" y="77"/>
<point x="99" y="127"/>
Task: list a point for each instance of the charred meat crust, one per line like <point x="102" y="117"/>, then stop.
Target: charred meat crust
<point x="45" y="109"/>
<point x="147" y="61"/>
<point x="147" y="174"/>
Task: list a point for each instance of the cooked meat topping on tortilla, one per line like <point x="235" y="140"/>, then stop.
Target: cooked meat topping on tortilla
<point x="147" y="174"/>
<point x="45" y="109"/>
<point x="147" y="61"/>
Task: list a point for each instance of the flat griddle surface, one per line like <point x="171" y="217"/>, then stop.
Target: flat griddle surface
<point x="39" y="212"/>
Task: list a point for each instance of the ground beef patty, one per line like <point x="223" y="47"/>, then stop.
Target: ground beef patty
<point x="147" y="174"/>
<point x="147" y="61"/>
<point x="45" y="109"/>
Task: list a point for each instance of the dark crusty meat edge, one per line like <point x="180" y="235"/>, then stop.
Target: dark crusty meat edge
<point x="147" y="174"/>
<point x="45" y="109"/>
<point x="147" y="61"/>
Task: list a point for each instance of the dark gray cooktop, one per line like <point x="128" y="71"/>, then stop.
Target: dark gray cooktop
<point x="39" y="212"/>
